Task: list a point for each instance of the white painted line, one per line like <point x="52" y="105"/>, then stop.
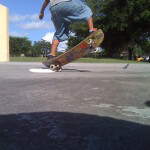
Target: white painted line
<point x="41" y="70"/>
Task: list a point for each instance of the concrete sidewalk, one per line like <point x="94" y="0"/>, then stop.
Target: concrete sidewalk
<point x="85" y="107"/>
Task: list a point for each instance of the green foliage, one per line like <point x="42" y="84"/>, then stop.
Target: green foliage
<point x="19" y="46"/>
<point x="146" y="47"/>
<point x="77" y="29"/>
<point x="24" y="46"/>
<point x="41" y="48"/>
<point x="126" y="23"/>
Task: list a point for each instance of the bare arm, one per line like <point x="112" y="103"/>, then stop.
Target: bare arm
<point x="46" y="2"/>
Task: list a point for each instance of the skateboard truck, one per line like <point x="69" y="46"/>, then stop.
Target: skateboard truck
<point x="90" y="43"/>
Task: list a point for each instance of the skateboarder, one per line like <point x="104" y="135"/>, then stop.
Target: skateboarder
<point x="64" y="12"/>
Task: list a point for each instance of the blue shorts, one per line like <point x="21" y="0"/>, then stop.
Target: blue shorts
<point x="66" y="12"/>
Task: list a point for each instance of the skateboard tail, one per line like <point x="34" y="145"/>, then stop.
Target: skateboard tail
<point x="46" y="64"/>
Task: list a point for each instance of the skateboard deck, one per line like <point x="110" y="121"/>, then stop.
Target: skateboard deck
<point x="89" y="44"/>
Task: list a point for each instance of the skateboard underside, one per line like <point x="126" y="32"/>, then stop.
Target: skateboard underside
<point x="87" y="45"/>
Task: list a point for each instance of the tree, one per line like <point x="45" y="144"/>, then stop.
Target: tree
<point x="146" y="47"/>
<point x="41" y="48"/>
<point x="24" y="46"/>
<point x="79" y="32"/>
<point x="19" y="46"/>
<point x="125" y="23"/>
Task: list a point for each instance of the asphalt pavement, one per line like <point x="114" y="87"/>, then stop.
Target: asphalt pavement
<point x="95" y="106"/>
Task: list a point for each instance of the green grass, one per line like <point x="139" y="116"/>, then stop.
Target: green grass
<point x="27" y="59"/>
<point x="81" y="60"/>
<point x="104" y="60"/>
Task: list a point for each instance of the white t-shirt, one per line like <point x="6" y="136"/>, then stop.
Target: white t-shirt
<point x="54" y="2"/>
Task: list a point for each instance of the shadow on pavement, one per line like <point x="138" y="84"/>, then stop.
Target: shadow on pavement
<point x="70" y="131"/>
<point x="75" y="70"/>
<point x="68" y="70"/>
<point x="126" y="66"/>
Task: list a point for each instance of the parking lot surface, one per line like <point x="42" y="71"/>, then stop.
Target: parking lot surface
<point x="84" y="107"/>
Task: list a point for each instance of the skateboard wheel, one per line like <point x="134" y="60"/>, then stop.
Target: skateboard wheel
<point x="53" y="67"/>
<point x="90" y="41"/>
<point x="96" y="50"/>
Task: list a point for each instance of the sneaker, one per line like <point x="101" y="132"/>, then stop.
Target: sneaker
<point x="92" y="31"/>
<point x="50" y="57"/>
<point x="47" y="64"/>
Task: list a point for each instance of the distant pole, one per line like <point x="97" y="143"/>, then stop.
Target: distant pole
<point x="4" y="34"/>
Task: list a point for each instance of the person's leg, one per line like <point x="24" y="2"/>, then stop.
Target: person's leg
<point x="91" y="26"/>
<point x="61" y="26"/>
<point x="60" y="36"/>
<point x="73" y="12"/>
<point x="55" y="44"/>
<point x="90" y="23"/>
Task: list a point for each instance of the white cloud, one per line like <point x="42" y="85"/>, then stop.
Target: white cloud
<point x="18" y="18"/>
<point x="31" y="22"/>
<point x="34" y="17"/>
<point x="16" y="34"/>
<point x="62" y="46"/>
<point x="35" y="25"/>
<point x="49" y="37"/>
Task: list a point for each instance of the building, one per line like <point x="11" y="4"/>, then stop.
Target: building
<point x="4" y="34"/>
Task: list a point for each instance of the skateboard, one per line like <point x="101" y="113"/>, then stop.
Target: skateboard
<point x="89" y="44"/>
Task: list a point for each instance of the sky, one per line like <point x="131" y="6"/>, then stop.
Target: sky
<point x="24" y="21"/>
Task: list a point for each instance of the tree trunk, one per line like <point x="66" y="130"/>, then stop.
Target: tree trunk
<point x="135" y="57"/>
<point x="130" y="50"/>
